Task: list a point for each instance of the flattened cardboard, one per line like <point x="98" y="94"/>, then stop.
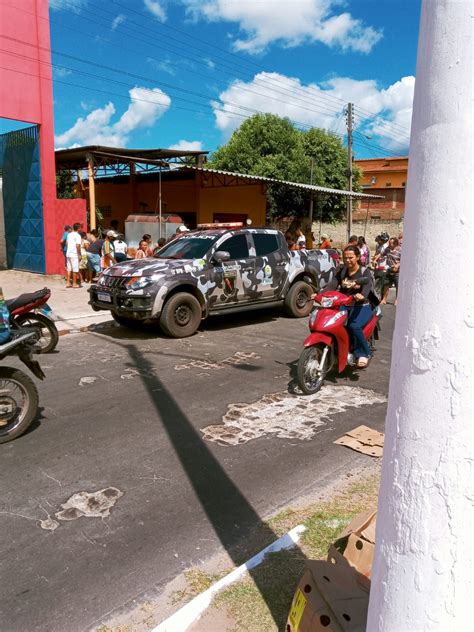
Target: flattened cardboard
<point x="355" y="444"/>
<point x="367" y="435"/>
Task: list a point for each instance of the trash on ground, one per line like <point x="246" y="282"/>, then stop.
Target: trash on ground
<point x="334" y="594"/>
<point x="363" y="439"/>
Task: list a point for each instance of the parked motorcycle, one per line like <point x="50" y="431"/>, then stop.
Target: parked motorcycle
<point x="18" y="393"/>
<point x="328" y="347"/>
<point x="32" y="310"/>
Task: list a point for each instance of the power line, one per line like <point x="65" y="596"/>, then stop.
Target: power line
<point x="308" y="98"/>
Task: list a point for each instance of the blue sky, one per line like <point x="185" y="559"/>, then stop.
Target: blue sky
<point x="186" y="73"/>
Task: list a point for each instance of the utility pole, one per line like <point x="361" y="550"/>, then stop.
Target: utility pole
<point x="349" y="123"/>
<point x="422" y="575"/>
<point x="311" y="200"/>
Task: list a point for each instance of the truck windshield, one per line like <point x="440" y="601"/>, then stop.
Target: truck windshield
<point x="187" y="247"/>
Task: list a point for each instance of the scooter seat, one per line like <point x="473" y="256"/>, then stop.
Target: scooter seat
<point x="27" y="299"/>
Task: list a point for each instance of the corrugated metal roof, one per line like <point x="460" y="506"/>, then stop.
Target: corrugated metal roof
<point x="296" y="185"/>
<point x="78" y="155"/>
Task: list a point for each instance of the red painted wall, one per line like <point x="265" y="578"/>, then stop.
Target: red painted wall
<point x="26" y="94"/>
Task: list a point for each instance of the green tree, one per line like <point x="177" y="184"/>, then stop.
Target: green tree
<point x="65" y="185"/>
<point x="267" y="145"/>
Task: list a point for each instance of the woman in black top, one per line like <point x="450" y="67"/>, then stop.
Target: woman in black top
<point x="345" y="281"/>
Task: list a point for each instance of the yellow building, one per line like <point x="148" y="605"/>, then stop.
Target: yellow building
<point x="387" y="177"/>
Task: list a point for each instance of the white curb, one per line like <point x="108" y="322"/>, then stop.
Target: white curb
<point x="188" y="614"/>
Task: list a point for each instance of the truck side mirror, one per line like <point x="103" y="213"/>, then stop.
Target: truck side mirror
<point x="220" y="256"/>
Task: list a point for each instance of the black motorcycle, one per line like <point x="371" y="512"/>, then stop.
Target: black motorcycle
<point x="18" y="393"/>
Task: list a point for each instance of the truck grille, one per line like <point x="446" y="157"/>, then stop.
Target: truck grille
<point x="115" y="282"/>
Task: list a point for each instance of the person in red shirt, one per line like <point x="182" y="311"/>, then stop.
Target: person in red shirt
<point x="326" y="242"/>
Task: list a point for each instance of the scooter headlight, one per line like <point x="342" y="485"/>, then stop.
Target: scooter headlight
<point x="327" y="301"/>
<point x="313" y="316"/>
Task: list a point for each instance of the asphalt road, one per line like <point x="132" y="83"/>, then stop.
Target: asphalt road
<point x="125" y="410"/>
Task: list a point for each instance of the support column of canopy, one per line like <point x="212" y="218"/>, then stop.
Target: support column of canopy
<point x="90" y="172"/>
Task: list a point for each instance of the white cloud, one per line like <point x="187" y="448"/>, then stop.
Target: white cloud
<point x="145" y="108"/>
<point x="320" y="105"/>
<point x="166" y="65"/>
<point x="118" y="21"/>
<point x="155" y="7"/>
<point x="60" y="73"/>
<point x="75" y="6"/>
<point x="184" y="145"/>
<point x="292" y="24"/>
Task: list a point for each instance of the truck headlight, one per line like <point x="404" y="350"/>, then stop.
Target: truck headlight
<point x="138" y="283"/>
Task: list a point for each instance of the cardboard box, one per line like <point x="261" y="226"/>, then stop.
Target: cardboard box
<point x="357" y="543"/>
<point x="329" y="597"/>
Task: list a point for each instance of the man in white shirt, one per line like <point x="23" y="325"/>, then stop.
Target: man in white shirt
<point x="73" y="255"/>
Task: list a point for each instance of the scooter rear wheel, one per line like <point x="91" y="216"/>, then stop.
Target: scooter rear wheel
<point x="310" y="374"/>
<point x="18" y="403"/>
<point x="49" y="336"/>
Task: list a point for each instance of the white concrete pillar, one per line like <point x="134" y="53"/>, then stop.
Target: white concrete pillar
<point x="422" y="575"/>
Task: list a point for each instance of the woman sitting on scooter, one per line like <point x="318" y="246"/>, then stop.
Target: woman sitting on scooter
<point x="345" y="281"/>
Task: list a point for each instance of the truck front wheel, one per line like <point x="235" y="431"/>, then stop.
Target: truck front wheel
<point x="181" y="315"/>
<point x="297" y="303"/>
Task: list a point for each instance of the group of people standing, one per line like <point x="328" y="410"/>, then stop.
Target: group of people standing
<point x="87" y="254"/>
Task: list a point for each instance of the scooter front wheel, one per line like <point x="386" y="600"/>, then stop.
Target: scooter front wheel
<point x="313" y="366"/>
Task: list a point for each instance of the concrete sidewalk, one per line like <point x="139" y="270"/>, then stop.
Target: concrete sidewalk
<point x="70" y="306"/>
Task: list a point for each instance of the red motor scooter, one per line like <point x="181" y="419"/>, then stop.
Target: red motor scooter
<point x="32" y="310"/>
<point x="328" y="345"/>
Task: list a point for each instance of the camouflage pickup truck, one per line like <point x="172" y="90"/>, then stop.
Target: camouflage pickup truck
<point x="212" y="271"/>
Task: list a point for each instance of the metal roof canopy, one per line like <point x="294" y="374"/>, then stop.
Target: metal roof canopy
<point x="79" y="157"/>
<point x="240" y="178"/>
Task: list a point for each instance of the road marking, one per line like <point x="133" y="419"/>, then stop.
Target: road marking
<point x="188" y="614"/>
<point x="287" y="416"/>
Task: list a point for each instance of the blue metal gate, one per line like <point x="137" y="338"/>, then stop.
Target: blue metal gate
<point x="22" y="199"/>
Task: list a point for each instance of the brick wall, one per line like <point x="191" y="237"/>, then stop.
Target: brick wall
<point x="338" y="232"/>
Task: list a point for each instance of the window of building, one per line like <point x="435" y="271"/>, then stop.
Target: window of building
<point x="388" y="184"/>
<point x="373" y="180"/>
<point x="403" y="184"/>
<point x="265" y="243"/>
<point x="236" y="246"/>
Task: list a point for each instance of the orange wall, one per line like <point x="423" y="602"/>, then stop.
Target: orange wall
<point x="386" y="170"/>
<point x="184" y="196"/>
<point x="248" y="199"/>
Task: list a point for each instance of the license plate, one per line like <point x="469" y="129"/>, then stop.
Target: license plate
<point x="105" y="298"/>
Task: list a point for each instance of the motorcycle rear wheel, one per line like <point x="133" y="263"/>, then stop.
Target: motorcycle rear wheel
<point x="18" y="403"/>
<point x="49" y="334"/>
<point x="310" y="376"/>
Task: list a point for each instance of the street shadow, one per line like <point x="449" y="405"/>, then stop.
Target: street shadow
<point x="221" y="322"/>
<point x="349" y="374"/>
<point x="36" y="423"/>
<point x="232" y="517"/>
